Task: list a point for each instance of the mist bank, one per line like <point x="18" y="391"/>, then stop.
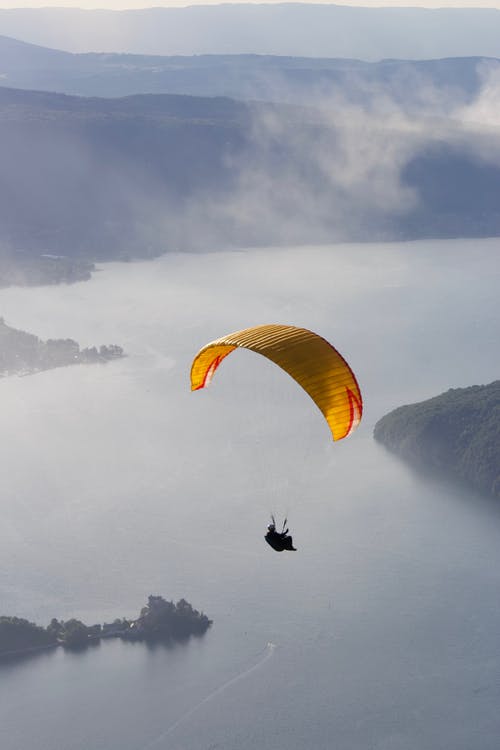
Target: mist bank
<point x="103" y="179"/>
<point x="100" y="179"/>
<point x="297" y="29"/>
<point x="299" y="80"/>
<point x="456" y="434"/>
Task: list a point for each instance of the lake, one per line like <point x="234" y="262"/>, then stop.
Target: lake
<point x="381" y="632"/>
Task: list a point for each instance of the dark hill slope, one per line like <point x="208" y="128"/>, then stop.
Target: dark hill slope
<point x="456" y="433"/>
<point x="16" y="55"/>
<point x="105" y="177"/>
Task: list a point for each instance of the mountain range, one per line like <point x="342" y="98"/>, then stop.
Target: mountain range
<point x="270" y="78"/>
<point x="231" y="151"/>
<point x="295" y="29"/>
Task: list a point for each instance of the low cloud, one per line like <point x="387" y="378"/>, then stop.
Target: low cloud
<point x="336" y="171"/>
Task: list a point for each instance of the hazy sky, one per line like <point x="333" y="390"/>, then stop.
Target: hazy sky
<point x="123" y="4"/>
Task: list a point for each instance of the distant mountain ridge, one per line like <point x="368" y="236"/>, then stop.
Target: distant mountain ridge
<point x="248" y="77"/>
<point x="297" y="29"/>
<point x="456" y="433"/>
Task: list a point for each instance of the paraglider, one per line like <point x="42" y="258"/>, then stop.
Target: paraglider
<point x="279" y="540"/>
<point x="311" y="361"/>
<point x="308" y="358"/>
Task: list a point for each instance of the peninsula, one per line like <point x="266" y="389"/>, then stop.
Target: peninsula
<point x="456" y="434"/>
<point x="24" y="268"/>
<point x="23" y="353"/>
<point x="159" y="620"/>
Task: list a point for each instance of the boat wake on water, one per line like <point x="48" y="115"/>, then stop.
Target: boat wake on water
<point x="261" y="657"/>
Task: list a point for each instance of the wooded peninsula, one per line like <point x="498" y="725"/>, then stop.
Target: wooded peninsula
<point x="159" y="620"/>
<point x="23" y="353"/>
<point x="456" y="434"/>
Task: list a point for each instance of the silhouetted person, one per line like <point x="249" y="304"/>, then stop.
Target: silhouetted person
<point x="279" y="540"/>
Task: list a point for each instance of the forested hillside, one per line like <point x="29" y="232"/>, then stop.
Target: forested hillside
<point x="106" y="178"/>
<point x="457" y="433"/>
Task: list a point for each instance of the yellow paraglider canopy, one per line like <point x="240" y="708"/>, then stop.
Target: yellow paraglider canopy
<point x="308" y="358"/>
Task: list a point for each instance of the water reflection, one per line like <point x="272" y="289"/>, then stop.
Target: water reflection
<point x="9" y="661"/>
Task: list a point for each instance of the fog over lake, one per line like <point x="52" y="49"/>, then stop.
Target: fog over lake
<point x="381" y="632"/>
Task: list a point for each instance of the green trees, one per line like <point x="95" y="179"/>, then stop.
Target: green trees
<point x="159" y="620"/>
<point x="25" y="353"/>
<point x="457" y="433"/>
<point x="17" y="634"/>
<point x="75" y="634"/>
<point x="164" y="619"/>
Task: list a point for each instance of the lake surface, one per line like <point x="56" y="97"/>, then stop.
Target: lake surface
<point x="380" y="633"/>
